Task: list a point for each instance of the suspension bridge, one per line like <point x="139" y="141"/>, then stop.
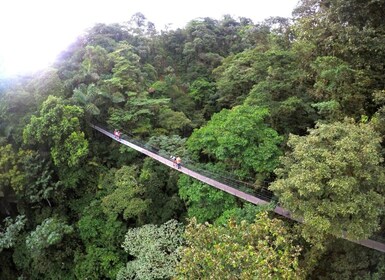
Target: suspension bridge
<point x="254" y="199"/>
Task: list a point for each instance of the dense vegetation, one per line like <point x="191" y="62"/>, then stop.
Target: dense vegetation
<point x="297" y="105"/>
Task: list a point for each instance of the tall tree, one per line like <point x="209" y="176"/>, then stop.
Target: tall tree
<point x="333" y="178"/>
<point x="155" y="249"/>
<point x="240" y="139"/>
<point x="264" y="249"/>
<point x="58" y="126"/>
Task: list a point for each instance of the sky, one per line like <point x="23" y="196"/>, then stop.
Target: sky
<point x="34" y="32"/>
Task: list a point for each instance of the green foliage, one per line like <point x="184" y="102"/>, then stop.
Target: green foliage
<point x="156" y="250"/>
<point x="127" y="75"/>
<point x="38" y="181"/>
<point x="74" y="148"/>
<point x="173" y="122"/>
<point x="204" y="202"/>
<point x="126" y="197"/>
<point x="202" y="92"/>
<point x="88" y="97"/>
<point x="58" y="126"/>
<point x="261" y="250"/>
<point x="378" y="118"/>
<point x="236" y="76"/>
<point x="332" y="178"/>
<point x="101" y="235"/>
<point x="25" y="175"/>
<point x="281" y="87"/>
<point x="95" y="228"/>
<point x="96" y="263"/>
<point x="139" y="113"/>
<point x="337" y="82"/>
<point x="161" y="189"/>
<point x="50" y="232"/>
<point x="245" y="213"/>
<point x="349" y="30"/>
<point x="346" y="260"/>
<point x="9" y="233"/>
<point x="241" y="139"/>
<point x="96" y="61"/>
<point x="10" y="173"/>
<point x="168" y="145"/>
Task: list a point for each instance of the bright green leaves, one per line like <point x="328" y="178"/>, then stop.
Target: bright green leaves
<point x="240" y="139"/>
<point x="49" y="233"/>
<point x="173" y="122"/>
<point x="89" y="97"/>
<point x="102" y="235"/>
<point x="204" y="202"/>
<point x="10" y="173"/>
<point x="260" y="250"/>
<point x="138" y="114"/>
<point x="127" y="195"/>
<point x="156" y="250"/>
<point x="333" y="179"/>
<point x="74" y="148"/>
<point x="127" y="75"/>
<point x="58" y="126"/>
<point x="10" y="232"/>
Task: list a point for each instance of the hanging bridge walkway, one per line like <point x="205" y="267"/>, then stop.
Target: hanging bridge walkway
<point x="254" y="199"/>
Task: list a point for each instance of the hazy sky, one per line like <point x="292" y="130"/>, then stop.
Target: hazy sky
<point x="34" y="32"/>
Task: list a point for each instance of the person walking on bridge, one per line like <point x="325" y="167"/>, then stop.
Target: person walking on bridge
<point x="117" y="134"/>
<point x="178" y="162"/>
<point x="173" y="159"/>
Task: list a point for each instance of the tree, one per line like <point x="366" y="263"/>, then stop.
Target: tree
<point x="95" y="62"/>
<point x="236" y="76"/>
<point x="11" y="176"/>
<point x="155" y="249"/>
<point x="340" y="87"/>
<point x="139" y="113"/>
<point x="173" y="122"/>
<point x="161" y="189"/>
<point x="350" y="30"/>
<point x="10" y="232"/>
<point x="204" y="202"/>
<point x="240" y="139"/>
<point x="36" y="177"/>
<point x="346" y="260"/>
<point x="126" y="197"/>
<point x="126" y="71"/>
<point x="101" y="236"/>
<point x="58" y="126"/>
<point x="50" y="232"/>
<point x="332" y="178"/>
<point x="264" y="249"/>
<point x="282" y="87"/>
<point x="46" y="252"/>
